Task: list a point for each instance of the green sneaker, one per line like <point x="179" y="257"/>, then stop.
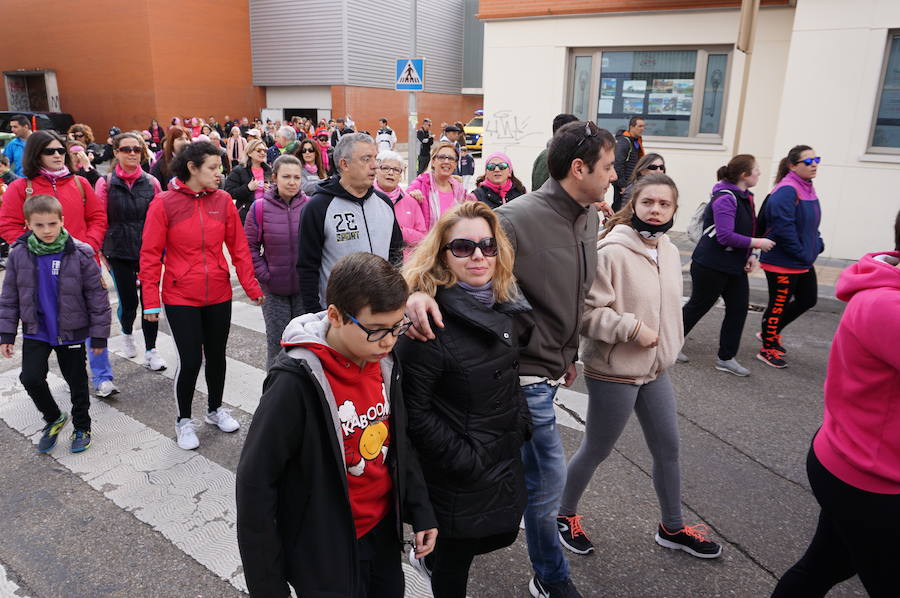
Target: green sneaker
<point x="81" y="440"/>
<point x="51" y="432"/>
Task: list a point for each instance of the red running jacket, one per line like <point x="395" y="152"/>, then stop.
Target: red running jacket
<point x="85" y="216"/>
<point x="191" y="227"/>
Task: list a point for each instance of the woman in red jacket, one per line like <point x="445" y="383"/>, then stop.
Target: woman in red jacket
<point x="188" y="225"/>
<point x="48" y="171"/>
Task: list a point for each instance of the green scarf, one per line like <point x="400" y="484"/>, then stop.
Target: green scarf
<point x="38" y="247"/>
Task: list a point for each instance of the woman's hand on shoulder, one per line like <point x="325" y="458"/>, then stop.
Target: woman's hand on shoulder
<point x="417" y="195"/>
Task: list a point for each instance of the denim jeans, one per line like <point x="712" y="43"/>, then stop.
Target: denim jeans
<point x="101" y="369"/>
<point x="545" y="477"/>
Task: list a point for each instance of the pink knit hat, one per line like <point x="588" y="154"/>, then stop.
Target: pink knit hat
<point x="502" y="156"/>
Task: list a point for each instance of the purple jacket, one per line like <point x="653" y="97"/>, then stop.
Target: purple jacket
<point x="275" y="251"/>
<point x="83" y="309"/>
<point x="724" y="210"/>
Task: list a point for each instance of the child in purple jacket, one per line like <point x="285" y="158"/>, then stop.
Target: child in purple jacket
<point x="53" y="285"/>
<point x="272" y="227"/>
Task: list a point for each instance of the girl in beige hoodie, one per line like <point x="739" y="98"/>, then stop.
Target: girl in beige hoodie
<point x="633" y="326"/>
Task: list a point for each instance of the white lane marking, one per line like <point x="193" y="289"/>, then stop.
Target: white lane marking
<point x="243" y="382"/>
<point x="8" y="588"/>
<point x="247" y="316"/>
<point x="181" y="494"/>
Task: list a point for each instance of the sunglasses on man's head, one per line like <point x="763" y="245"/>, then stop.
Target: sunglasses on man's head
<point x="661" y="167"/>
<point x="466" y="247"/>
<point x="497" y="166"/>
<point x="809" y="161"/>
<point x="49" y="151"/>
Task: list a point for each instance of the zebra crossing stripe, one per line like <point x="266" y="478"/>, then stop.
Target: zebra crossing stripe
<point x="8" y="588"/>
<point x="180" y="494"/>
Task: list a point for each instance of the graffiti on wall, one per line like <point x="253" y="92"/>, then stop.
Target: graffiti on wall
<point x="507" y="129"/>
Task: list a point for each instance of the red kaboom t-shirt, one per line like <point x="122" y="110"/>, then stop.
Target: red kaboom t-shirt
<point x="364" y="411"/>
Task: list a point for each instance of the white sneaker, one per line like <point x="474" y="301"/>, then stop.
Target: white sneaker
<point x="186" y="433"/>
<point x="128" y="348"/>
<point x="106" y="389"/>
<point x="153" y="361"/>
<point x="221" y="417"/>
<point x="732" y="367"/>
<point x="682" y="358"/>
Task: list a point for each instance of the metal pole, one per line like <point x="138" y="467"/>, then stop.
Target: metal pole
<point x="412" y="150"/>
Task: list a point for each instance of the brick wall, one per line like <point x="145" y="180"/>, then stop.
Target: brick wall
<point x="124" y="63"/>
<point x="367" y="104"/>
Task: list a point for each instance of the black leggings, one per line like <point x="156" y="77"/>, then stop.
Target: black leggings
<point x="125" y="276"/>
<point x="707" y="285"/>
<point x="452" y="558"/>
<point x="200" y="333"/>
<point x="789" y="296"/>
<point x="856" y="535"/>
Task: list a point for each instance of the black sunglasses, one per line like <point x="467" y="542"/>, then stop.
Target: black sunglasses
<point x="497" y="166"/>
<point x="323" y="138"/>
<point x="49" y="151"/>
<point x="376" y="335"/>
<point x="78" y="134"/>
<point x="661" y="167"/>
<point x="129" y="149"/>
<point x="588" y="132"/>
<point x="466" y="247"/>
<point x="308" y="150"/>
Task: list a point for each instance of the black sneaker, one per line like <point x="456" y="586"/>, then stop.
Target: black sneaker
<point x="572" y="536"/>
<point x="540" y="589"/>
<point x="691" y="539"/>
<point x="772" y="357"/>
<point x="81" y="441"/>
<point x="51" y="434"/>
<point x="773" y="344"/>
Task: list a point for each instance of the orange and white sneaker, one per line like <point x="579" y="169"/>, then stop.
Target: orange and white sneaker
<point x="691" y="539"/>
<point x="772" y="358"/>
<point x="572" y="536"/>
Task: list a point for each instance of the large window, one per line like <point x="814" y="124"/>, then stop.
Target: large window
<point x="678" y="93"/>
<point x="886" y="132"/>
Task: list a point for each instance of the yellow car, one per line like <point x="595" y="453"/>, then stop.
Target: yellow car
<point x="475" y="134"/>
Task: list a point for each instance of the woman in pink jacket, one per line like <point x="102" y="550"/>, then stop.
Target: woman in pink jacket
<point x="854" y="462"/>
<point x="436" y="189"/>
<point x="409" y="215"/>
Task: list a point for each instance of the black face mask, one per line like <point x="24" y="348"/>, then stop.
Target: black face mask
<point x="650" y="231"/>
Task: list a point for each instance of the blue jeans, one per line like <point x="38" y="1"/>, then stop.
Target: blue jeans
<point x="101" y="369"/>
<point x="545" y="477"/>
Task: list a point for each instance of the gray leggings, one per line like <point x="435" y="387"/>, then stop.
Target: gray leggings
<point x="278" y="311"/>
<point x="609" y="406"/>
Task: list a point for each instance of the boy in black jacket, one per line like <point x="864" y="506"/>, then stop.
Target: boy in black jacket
<point x="327" y="475"/>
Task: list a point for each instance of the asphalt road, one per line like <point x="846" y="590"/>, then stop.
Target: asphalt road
<point x="135" y="516"/>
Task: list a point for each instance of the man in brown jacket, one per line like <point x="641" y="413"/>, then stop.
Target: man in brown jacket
<point x="554" y="233"/>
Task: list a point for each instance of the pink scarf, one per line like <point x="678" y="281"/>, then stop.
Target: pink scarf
<point x="128" y="177"/>
<point x="55" y="175"/>
<point x="394" y="195"/>
<point x="500" y="190"/>
<point x="311" y="168"/>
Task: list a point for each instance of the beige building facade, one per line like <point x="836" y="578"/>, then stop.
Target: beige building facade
<point x="824" y="73"/>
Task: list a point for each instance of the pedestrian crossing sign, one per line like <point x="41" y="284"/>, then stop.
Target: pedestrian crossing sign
<point x="410" y="74"/>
